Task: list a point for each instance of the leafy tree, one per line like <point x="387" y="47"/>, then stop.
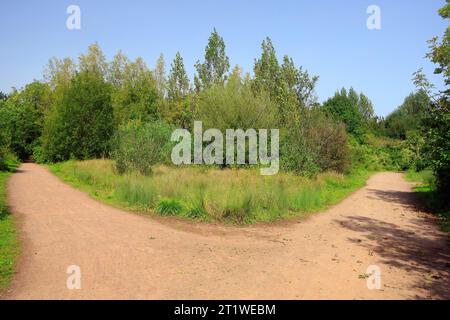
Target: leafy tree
<point x="137" y="95"/>
<point x="366" y="108"/>
<point x="409" y="116"/>
<point x="58" y="73"/>
<point x="436" y="124"/>
<point x="267" y="71"/>
<point x="117" y="69"/>
<point x="235" y="105"/>
<point x="290" y="88"/>
<point x="299" y="82"/>
<point x="343" y="107"/>
<point x="440" y="51"/>
<point x="216" y="63"/>
<point x="93" y="61"/>
<point x="81" y="123"/>
<point x="179" y="106"/>
<point x="160" y="75"/>
<point x="178" y="82"/>
<point x="22" y="117"/>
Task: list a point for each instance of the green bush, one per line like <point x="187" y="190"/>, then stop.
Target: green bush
<point x="313" y="144"/>
<point x="138" y="146"/>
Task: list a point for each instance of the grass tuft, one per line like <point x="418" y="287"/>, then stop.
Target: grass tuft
<point x="169" y="207"/>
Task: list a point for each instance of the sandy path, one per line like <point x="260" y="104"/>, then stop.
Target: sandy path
<point x="123" y="255"/>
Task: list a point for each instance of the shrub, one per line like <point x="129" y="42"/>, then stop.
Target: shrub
<point x="138" y="146"/>
<point x="313" y="144"/>
<point x="343" y="107"/>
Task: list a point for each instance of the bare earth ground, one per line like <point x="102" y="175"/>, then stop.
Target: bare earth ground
<point x="123" y="255"/>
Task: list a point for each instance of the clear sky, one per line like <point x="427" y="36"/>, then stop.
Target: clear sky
<point x="328" y="37"/>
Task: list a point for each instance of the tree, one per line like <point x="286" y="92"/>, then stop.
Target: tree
<point x="216" y="64"/>
<point x="440" y="51"/>
<point x="290" y="88"/>
<point x="178" y="82"/>
<point x="343" y="107"/>
<point x="179" y="106"/>
<point x="137" y="96"/>
<point x="408" y="116"/>
<point x="267" y="70"/>
<point x="298" y="83"/>
<point x="437" y="124"/>
<point x="81" y="124"/>
<point x="116" y="71"/>
<point x="22" y="117"/>
<point x="93" y="61"/>
<point x="235" y="105"/>
<point x="58" y="73"/>
<point x="160" y="75"/>
<point x="366" y="108"/>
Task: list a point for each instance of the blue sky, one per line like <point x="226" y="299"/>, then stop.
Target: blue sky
<point x="328" y="37"/>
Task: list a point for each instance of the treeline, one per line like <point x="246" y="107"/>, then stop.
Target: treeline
<point x="125" y="110"/>
<point x="81" y="110"/>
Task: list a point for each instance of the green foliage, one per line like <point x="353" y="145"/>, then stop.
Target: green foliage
<point x="314" y="144"/>
<point x="178" y="82"/>
<point x="437" y="148"/>
<point x="81" y="124"/>
<point x="135" y="95"/>
<point x="440" y="50"/>
<point x="345" y="107"/>
<point x="376" y="153"/>
<point x="233" y="105"/>
<point x="138" y="146"/>
<point x="21" y="118"/>
<point x="289" y="88"/>
<point x="409" y="116"/>
<point x="213" y="70"/>
<point x="9" y="247"/>
<point x="430" y="197"/>
<point x="437" y="123"/>
<point x="160" y="76"/>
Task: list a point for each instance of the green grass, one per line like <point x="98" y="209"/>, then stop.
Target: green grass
<point x="8" y="241"/>
<point x="239" y="196"/>
<point x="429" y="197"/>
<point x="424" y="176"/>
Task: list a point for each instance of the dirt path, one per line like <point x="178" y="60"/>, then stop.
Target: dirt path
<point x="123" y="255"/>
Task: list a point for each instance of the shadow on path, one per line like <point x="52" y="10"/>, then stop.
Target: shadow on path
<point x="424" y="250"/>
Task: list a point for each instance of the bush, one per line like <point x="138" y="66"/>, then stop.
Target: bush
<point x="314" y="144"/>
<point x="138" y="146"/>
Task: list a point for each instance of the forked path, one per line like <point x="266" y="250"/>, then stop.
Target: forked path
<point x="123" y="255"/>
